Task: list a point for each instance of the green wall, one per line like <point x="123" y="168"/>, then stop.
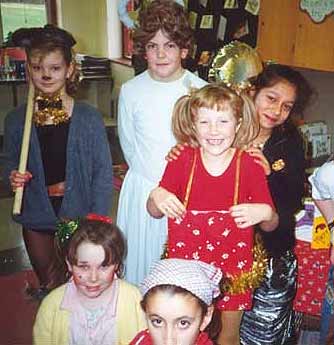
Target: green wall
<point x="87" y="21"/>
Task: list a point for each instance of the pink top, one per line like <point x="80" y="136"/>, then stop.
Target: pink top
<point x="91" y="326"/>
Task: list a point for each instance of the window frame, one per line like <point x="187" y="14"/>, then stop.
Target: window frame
<point x="51" y="16"/>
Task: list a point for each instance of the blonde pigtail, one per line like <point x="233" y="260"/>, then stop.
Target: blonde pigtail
<point x="183" y="121"/>
<point x="249" y="125"/>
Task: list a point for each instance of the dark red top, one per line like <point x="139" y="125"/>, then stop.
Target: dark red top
<point x="144" y="338"/>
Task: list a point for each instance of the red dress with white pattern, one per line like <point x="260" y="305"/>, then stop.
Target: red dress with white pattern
<point x="208" y="233"/>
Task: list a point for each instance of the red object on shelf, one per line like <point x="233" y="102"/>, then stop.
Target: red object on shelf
<point x="14" y="53"/>
<point x="127" y="43"/>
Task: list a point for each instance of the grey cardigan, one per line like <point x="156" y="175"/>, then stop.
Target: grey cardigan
<point x="88" y="169"/>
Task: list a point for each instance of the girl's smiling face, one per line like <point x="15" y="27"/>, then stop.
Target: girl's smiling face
<point x="274" y="103"/>
<point x="91" y="275"/>
<point x="175" y="318"/>
<point x="216" y="130"/>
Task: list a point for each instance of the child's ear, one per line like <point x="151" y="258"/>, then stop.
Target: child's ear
<point x="116" y="270"/>
<point x="69" y="266"/>
<point x="207" y="318"/>
<point x="184" y="53"/>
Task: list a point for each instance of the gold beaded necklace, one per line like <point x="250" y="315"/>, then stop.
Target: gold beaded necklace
<point x="50" y="109"/>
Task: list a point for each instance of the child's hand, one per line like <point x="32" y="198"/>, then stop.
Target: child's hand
<point x="18" y="180"/>
<point x="260" y="159"/>
<point x="246" y="215"/>
<point x="167" y="203"/>
<point x="175" y="152"/>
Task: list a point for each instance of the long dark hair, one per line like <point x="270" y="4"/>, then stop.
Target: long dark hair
<point x="274" y="73"/>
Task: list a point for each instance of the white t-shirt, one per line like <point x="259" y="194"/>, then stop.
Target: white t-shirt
<point x="322" y="182"/>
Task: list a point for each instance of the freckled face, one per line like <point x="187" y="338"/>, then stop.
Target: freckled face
<point x="273" y="104"/>
<point x="90" y="276"/>
<point x="215" y="130"/>
<point x="174" y="319"/>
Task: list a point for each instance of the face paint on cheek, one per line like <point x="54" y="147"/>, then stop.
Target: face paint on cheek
<point x="77" y="278"/>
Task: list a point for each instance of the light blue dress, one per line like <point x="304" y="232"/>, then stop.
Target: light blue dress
<point x="144" y="125"/>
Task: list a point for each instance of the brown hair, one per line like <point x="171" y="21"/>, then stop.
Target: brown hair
<point x="167" y="16"/>
<point x="275" y="73"/>
<point x="99" y="233"/>
<point x="214" y="96"/>
<point x="40" y="41"/>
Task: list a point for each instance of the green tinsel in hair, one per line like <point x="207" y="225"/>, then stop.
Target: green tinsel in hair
<point x="65" y="230"/>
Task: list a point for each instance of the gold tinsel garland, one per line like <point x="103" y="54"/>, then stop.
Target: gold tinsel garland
<point x="251" y="279"/>
<point x="50" y="110"/>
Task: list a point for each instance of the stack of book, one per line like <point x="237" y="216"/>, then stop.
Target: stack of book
<point x="92" y="67"/>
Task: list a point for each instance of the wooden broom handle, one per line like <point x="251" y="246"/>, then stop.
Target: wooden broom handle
<point x="25" y="147"/>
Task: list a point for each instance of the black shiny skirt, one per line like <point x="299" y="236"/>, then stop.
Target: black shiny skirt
<point x="272" y="320"/>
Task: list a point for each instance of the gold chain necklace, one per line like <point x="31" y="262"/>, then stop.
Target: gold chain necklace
<point x="49" y="110"/>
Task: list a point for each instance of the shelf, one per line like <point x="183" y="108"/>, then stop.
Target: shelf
<point x="13" y="83"/>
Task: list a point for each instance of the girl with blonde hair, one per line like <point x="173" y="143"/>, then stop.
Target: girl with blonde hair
<point x="215" y="193"/>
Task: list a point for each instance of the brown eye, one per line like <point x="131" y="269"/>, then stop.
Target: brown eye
<point x="156" y="322"/>
<point x="287" y="108"/>
<point x="184" y="324"/>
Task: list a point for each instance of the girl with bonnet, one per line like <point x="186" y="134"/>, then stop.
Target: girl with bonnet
<point x="178" y="300"/>
<point x="69" y="169"/>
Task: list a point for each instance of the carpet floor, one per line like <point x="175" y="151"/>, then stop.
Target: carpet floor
<point x="17" y="311"/>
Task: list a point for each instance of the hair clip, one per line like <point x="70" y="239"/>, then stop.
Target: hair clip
<point x="99" y="217"/>
<point x="65" y="230"/>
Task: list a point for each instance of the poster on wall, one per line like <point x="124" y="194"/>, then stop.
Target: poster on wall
<point x="317" y="9"/>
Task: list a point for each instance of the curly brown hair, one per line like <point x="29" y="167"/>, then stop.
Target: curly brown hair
<point x="167" y="16"/>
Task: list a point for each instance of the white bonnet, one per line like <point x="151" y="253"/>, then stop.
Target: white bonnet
<point x="197" y="277"/>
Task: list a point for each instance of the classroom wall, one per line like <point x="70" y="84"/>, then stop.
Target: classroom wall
<point x="87" y="21"/>
<point x="323" y="107"/>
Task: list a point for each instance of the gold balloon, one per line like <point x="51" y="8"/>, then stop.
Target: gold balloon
<point x="234" y="64"/>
